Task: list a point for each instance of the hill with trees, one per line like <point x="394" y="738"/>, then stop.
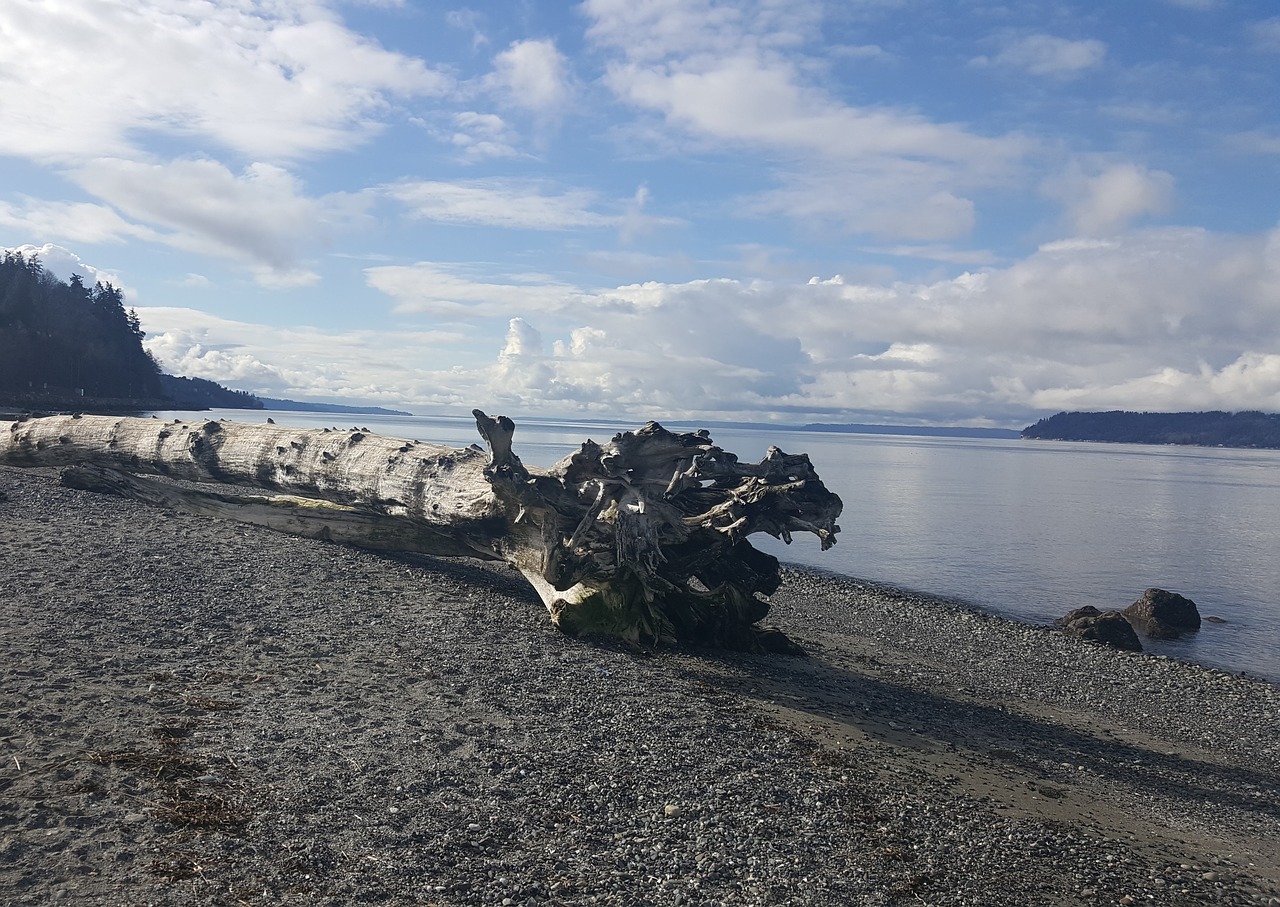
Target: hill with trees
<point x="69" y="346"/>
<point x="200" y="393"/>
<point x="1208" y="429"/>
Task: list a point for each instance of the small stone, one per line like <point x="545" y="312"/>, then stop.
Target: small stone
<point x="1128" y="899"/>
<point x="671" y="810"/>
<point x="1211" y="877"/>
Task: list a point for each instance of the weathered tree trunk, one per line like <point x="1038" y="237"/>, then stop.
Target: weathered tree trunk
<point x="643" y="537"/>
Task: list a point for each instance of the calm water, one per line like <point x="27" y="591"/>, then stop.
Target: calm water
<point x="1025" y="529"/>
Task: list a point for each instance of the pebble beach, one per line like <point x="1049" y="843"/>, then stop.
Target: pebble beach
<point x="195" y="711"/>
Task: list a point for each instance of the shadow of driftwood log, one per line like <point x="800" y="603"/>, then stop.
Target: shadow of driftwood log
<point x="1031" y="745"/>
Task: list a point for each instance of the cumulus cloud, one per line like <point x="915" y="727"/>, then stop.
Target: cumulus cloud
<point x="89" y="86"/>
<point x="1047" y="55"/>
<point x="293" y="362"/>
<point x="61" y="262"/>
<point x="532" y="75"/>
<point x="1168" y="318"/>
<point x="482" y="136"/>
<point x="1111" y="199"/>
<point x="266" y="80"/>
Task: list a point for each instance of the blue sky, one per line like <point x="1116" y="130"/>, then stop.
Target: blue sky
<point x="883" y="211"/>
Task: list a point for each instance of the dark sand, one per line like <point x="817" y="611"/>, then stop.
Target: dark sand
<point x="197" y="712"/>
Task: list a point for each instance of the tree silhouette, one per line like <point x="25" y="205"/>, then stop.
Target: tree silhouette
<point x="63" y="343"/>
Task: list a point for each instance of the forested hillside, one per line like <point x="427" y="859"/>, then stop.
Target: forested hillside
<point x="66" y="339"/>
<point x="1210" y="429"/>
<point x="66" y="345"/>
<point x="200" y="393"/>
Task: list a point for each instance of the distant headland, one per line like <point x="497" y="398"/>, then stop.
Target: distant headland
<point x="298" y="406"/>
<point x="1208" y="429"/>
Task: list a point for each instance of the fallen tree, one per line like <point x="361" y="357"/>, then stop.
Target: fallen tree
<point x="644" y="537"/>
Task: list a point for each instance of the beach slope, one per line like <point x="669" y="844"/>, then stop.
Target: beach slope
<point x="199" y="712"/>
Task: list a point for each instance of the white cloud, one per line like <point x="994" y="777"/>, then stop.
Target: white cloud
<point x="533" y="75"/>
<point x="61" y="262"/>
<point x="652" y="31"/>
<point x="870" y="199"/>
<point x="1109" y="200"/>
<point x="737" y="77"/>
<point x="523" y="341"/>
<point x="260" y="218"/>
<point x="764" y="102"/>
<point x="481" y="136"/>
<point x="447" y="292"/>
<point x="293" y="362"/>
<point x="78" y="222"/>
<point x="1047" y="55"/>
<point x="1157" y="319"/>
<point x="86" y="77"/>
<point x="634" y="222"/>
<point x="967" y="257"/>
<point x="513" y="204"/>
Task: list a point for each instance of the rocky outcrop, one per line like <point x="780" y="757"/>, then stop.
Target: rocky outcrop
<point x="1107" y="627"/>
<point x="1163" y="615"/>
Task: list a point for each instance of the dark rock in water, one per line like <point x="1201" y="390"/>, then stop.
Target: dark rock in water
<point x="1163" y="615"/>
<point x="1214" y="619"/>
<point x="1086" y="611"/>
<point x="1107" y="627"/>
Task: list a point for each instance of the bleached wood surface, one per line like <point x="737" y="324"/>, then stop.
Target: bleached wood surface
<point x="643" y="537"/>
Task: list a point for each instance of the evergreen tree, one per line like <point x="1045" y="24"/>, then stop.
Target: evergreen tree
<point x="67" y="340"/>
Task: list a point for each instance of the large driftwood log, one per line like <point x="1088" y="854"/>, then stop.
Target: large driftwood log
<point x="643" y="537"/>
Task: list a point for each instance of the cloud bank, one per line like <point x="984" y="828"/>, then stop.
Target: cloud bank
<point x="1156" y="319"/>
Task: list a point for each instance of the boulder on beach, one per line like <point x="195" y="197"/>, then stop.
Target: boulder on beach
<point x="1107" y="627"/>
<point x="1163" y="615"/>
<point x="1086" y="611"/>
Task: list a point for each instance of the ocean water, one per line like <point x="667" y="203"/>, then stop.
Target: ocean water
<point x="1029" y="530"/>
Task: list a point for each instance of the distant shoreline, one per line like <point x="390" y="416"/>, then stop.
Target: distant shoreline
<point x="1256" y="430"/>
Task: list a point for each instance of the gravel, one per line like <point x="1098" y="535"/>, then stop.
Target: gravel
<point x="198" y="712"/>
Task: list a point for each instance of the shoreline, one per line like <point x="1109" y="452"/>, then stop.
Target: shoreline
<point x="1152" y="648"/>
<point x="199" y="711"/>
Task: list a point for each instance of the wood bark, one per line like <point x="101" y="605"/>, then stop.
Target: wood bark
<point x="644" y="537"/>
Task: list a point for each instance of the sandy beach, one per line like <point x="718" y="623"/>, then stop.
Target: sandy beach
<point x="199" y="712"/>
